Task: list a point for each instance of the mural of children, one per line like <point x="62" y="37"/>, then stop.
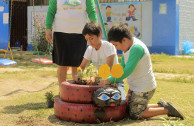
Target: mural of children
<point x="134" y="31"/>
<point x="106" y="26"/>
<point x="108" y="13"/>
<point x="131" y="12"/>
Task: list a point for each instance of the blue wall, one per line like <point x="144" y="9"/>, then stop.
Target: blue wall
<point x="165" y="37"/>
<point x="4" y="28"/>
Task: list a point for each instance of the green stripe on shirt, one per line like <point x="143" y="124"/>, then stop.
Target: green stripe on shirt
<point x="51" y="13"/>
<point x="136" y="53"/>
<point x="90" y="9"/>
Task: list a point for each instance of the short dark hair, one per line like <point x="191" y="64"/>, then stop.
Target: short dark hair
<point x="126" y="24"/>
<point x="131" y="5"/>
<point x="92" y="28"/>
<point x="108" y="7"/>
<point x="118" y="32"/>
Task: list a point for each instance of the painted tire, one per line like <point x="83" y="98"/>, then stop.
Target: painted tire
<point x="75" y="93"/>
<point x="88" y="112"/>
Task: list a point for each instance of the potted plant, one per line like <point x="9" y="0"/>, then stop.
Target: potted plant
<point x="49" y="99"/>
<point x="89" y="77"/>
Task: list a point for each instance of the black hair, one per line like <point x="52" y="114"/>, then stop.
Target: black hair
<point x="105" y="24"/>
<point x="108" y="7"/>
<point x="118" y="32"/>
<point x="131" y="5"/>
<point x="126" y="24"/>
<point x="92" y="28"/>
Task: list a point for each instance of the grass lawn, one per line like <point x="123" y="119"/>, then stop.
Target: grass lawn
<point x="23" y="88"/>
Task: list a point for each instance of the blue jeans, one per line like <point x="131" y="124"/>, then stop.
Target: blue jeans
<point x="121" y="88"/>
<point x="108" y="19"/>
<point x="131" y="17"/>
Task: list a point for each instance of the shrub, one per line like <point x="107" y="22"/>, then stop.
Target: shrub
<point x="49" y="99"/>
<point x="39" y="40"/>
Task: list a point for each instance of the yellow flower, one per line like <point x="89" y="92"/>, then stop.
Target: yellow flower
<point x="117" y="71"/>
<point x="79" y="69"/>
<point x="104" y="71"/>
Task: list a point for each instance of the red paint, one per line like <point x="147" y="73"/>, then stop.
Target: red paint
<point x="112" y="104"/>
<point x="74" y="93"/>
<point x="76" y="112"/>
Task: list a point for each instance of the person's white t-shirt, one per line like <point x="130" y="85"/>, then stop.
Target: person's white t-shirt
<point x="98" y="57"/>
<point x="70" y="18"/>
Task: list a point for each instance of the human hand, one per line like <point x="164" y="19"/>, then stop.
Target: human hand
<point x="49" y="35"/>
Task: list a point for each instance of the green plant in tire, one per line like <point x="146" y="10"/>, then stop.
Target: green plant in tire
<point x="80" y="76"/>
<point x="91" y="71"/>
<point x="89" y="77"/>
<point x="49" y="99"/>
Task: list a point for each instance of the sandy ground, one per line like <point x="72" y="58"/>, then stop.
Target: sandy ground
<point x="11" y="86"/>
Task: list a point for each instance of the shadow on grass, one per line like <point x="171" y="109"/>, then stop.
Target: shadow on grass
<point x="16" y="109"/>
<point x="54" y="120"/>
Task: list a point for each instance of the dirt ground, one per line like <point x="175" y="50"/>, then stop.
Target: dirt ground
<point x="15" y="80"/>
<point x="11" y="86"/>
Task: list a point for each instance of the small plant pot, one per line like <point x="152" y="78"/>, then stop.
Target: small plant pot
<point x="50" y="103"/>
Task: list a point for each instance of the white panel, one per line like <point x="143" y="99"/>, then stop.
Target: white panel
<point x="147" y="23"/>
<point x="40" y="16"/>
<point x="186" y="21"/>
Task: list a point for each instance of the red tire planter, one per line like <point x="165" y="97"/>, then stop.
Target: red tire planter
<point x="88" y="112"/>
<point x="75" y="93"/>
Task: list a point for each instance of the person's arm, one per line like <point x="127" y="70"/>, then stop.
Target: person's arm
<point x="90" y="8"/>
<point x="87" y="57"/>
<point x="51" y="13"/>
<point x="107" y="82"/>
<point x="136" y="53"/>
<point x="83" y="64"/>
<point x="122" y="62"/>
<point x="110" y="60"/>
<point x="49" y="19"/>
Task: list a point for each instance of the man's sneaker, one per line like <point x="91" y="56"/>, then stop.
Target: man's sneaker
<point x="173" y="112"/>
<point x="162" y="103"/>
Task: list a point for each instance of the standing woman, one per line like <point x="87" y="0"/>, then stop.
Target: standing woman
<point x="68" y="18"/>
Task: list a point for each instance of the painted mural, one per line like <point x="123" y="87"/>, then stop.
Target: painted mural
<point x="123" y="13"/>
<point x="40" y="17"/>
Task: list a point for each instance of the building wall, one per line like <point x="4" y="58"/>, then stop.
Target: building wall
<point x="40" y="14"/>
<point x="4" y="24"/>
<point x="38" y="2"/>
<point x="146" y="19"/>
<point x="147" y="23"/>
<point x="165" y="36"/>
<point x="186" y="23"/>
